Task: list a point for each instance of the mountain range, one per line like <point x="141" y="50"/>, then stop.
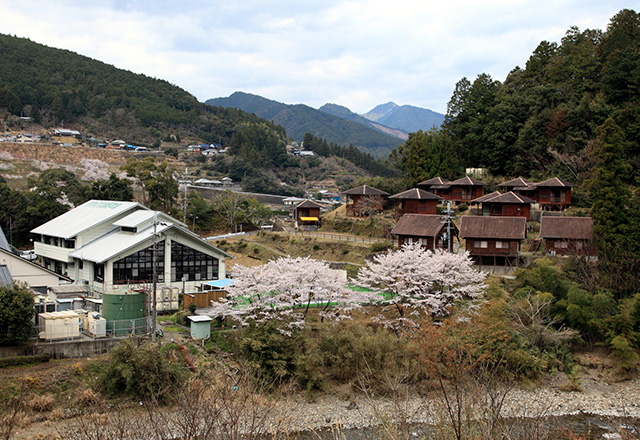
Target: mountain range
<point x="378" y="131"/>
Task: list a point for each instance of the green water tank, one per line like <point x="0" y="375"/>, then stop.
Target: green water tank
<point x="124" y="313"/>
<point x="119" y="307"/>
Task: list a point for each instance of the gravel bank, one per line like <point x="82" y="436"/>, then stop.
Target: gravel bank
<point x="615" y="400"/>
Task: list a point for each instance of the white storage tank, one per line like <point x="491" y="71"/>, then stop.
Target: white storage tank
<point x="95" y="325"/>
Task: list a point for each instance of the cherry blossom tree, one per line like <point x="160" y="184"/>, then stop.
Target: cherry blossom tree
<point x="416" y="281"/>
<point x="286" y="289"/>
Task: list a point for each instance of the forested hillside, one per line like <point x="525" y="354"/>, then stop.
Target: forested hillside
<point x="55" y="86"/>
<point x="543" y="119"/>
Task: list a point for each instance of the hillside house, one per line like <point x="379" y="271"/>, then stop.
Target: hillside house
<point x="465" y="190"/>
<point x="307" y="215"/>
<point x="416" y="201"/>
<point x="428" y="230"/>
<point x="20" y="269"/>
<point x="520" y="186"/>
<point x="567" y="235"/>
<point x="437" y="186"/>
<point x="365" y="200"/>
<point x="504" y="205"/>
<point x="109" y="245"/>
<point x="493" y="241"/>
<point x="554" y="194"/>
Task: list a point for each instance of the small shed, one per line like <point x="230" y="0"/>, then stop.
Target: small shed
<point x="307" y="214"/>
<point x="59" y="325"/>
<point x="200" y="326"/>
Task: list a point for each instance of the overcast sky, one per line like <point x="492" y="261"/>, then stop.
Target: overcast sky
<point x="357" y="53"/>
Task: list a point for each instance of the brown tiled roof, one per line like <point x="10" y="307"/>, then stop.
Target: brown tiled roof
<point x="419" y="225"/>
<point x="509" y="198"/>
<point x="519" y="183"/>
<point x="309" y="204"/>
<point x="509" y="228"/>
<point x="365" y="190"/>
<point x="415" y="194"/>
<point x="467" y="181"/>
<point x="572" y="228"/>
<point x="555" y="182"/>
<point x="435" y="181"/>
<point x="486" y="197"/>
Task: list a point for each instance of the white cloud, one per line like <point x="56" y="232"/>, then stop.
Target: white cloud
<point x="357" y="53"/>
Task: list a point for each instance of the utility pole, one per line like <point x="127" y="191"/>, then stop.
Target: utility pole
<point x="448" y="219"/>
<point x="154" y="312"/>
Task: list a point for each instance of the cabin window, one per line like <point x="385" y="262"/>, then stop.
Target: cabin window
<point x="561" y="244"/>
<point x="579" y="244"/>
<point x="502" y="245"/>
<point x="481" y="244"/>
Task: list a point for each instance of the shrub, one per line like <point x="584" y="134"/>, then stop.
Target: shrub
<point x="23" y="360"/>
<point x="143" y="372"/>
<point x="348" y="351"/>
<point x="624" y="352"/>
<point x="316" y="247"/>
<point x="462" y="207"/>
<point x="270" y="352"/>
<point x="381" y="246"/>
<point x="41" y="403"/>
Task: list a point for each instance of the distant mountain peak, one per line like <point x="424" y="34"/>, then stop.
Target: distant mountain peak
<point x="407" y="118"/>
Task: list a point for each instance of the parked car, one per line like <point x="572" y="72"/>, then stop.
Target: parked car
<point x="29" y="255"/>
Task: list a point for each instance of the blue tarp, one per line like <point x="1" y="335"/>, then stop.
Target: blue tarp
<point x="220" y="284"/>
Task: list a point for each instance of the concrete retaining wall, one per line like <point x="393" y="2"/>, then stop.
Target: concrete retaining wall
<point x="62" y="350"/>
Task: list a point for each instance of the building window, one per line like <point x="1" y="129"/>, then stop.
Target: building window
<point x="502" y="245"/>
<point x="561" y="244"/>
<point x="480" y="244"/>
<point x="138" y="267"/>
<point x="191" y="264"/>
<point x="98" y="272"/>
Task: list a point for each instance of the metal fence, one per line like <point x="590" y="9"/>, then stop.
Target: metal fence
<point x="82" y="330"/>
<point x="339" y="237"/>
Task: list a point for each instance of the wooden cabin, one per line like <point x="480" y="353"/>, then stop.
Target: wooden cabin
<point x="465" y="190"/>
<point x="493" y="241"/>
<point x="416" y="201"/>
<point x="554" y="194"/>
<point x="429" y="230"/>
<point x="437" y="186"/>
<point x="520" y="186"/>
<point x="365" y="200"/>
<point x="567" y="235"/>
<point x="307" y="214"/>
<point x="504" y="205"/>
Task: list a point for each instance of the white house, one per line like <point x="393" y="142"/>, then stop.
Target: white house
<point x="109" y="246"/>
<point x="26" y="271"/>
